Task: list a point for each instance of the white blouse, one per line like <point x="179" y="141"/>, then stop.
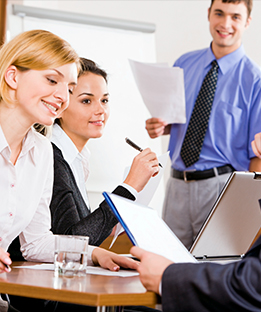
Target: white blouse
<point x="25" y="193"/>
<point x="78" y="161"/>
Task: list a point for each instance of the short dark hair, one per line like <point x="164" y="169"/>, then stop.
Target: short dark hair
<point x="248" y="3"/>
<point x="88" y="66"/>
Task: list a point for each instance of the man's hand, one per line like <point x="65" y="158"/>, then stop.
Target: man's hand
<point x="156" y="127"/>
<point x="256" y="145"/>
<point x="151" y="268"/>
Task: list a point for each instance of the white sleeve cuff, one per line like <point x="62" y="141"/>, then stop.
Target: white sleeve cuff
<point x="160" y="288"/>
<point x="130" y="189"/>
<point x="89" y="258"/>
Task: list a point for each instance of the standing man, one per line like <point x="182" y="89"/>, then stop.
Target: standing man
<point x="223" y="90"/>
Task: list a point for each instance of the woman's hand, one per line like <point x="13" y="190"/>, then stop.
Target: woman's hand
<point x="144" y="166"/>
<point x="111" y="261"/>
<point x="5" y="261"/>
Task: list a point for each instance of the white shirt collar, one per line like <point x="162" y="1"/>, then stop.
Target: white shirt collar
<point x="69" y="150"/>
<point x="28" y="145"/>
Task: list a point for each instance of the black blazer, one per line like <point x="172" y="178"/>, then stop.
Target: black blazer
<point x="70" y="215"/>
<point x="212" y="287"/>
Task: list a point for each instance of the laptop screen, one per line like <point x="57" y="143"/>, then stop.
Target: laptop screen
<point x="234" y="220"/>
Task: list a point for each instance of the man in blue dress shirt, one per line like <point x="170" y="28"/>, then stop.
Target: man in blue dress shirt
<point x="234" y="120"/>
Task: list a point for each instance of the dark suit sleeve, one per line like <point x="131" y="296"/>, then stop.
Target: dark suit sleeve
<point x="213" y="287"/>
<point x="70" y="215"/>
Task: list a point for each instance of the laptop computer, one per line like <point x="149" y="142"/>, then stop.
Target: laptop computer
<point x="234" y="220"/>
<point x="227" y="232"/>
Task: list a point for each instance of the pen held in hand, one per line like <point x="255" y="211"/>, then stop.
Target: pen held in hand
<point x="128" y="141"/>
<point x="7" y="266"/>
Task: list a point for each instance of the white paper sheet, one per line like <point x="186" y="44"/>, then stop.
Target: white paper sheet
<point x="118" y="231"/>
<point x="150" y="231"/>
<point x="90" y="270"/>
<point x="162" y="90"/>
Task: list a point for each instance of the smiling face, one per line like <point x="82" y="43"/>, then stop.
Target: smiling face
<point x="43" y="94"/>
<point x="227" y="23"/>
<point x="88" y="112"/>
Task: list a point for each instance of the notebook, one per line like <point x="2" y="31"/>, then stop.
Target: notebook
<point x="227" y="232"/>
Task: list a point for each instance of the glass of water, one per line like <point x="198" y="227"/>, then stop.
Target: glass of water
<point x="70" y="256"/>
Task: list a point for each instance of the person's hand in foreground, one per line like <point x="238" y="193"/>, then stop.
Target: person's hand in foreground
<point x="151" y="268"/>
<point x="4" y="259"/>
<point x="156" y="127"/>
<point x="112" y="261"/>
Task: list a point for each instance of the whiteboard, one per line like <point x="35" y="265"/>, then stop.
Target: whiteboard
<point x="110" y="49"/>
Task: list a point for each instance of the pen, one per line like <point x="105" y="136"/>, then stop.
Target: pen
<point x="128" y="141"/>
<point x="6" y="265"/>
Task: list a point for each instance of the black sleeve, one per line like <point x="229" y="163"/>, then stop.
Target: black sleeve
<point x="14" y="250"/>
<point x="214" y="287"/>
<point x="99" y="224"/>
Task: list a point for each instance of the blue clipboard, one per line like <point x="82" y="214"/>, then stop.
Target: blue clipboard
<point x="118" y="216"/>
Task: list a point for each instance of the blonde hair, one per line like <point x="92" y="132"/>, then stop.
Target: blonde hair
<point x="34" y="49"/>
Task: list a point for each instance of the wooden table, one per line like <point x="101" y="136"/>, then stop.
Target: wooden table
<point x="92" y="290"/>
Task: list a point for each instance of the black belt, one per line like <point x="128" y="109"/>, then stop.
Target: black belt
<point x="194" y="175"/>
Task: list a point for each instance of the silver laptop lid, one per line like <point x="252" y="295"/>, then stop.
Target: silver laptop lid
<point x="234" y="219"/>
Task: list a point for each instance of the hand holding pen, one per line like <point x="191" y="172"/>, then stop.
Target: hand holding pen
<point x="5" y="261"/>
<point x="131" y="143"/>
<point x="144" y="166"/>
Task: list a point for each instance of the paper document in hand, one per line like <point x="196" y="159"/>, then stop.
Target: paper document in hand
<point x="162" y="90"/>
<point x="147" y="230"/>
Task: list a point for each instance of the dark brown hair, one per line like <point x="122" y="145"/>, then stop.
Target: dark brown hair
<point x="88" y="66"/>
<point x="248" y="3"/>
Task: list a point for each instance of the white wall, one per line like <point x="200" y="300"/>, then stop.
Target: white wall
<point x="181" y="25"/>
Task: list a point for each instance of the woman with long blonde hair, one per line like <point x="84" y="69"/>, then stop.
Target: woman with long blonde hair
<point x="38" y="71"/>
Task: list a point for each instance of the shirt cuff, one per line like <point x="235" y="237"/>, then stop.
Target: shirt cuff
<point x="130" y="189"/>
<point x="89" y="257"/>
<point x="160" y="288"/>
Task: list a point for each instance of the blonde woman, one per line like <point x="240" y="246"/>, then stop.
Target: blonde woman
<point x="38" y="70"/>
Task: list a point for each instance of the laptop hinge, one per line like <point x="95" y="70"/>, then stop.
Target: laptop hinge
<point x="209" y="258"/>
<point x="257" y="175"/>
